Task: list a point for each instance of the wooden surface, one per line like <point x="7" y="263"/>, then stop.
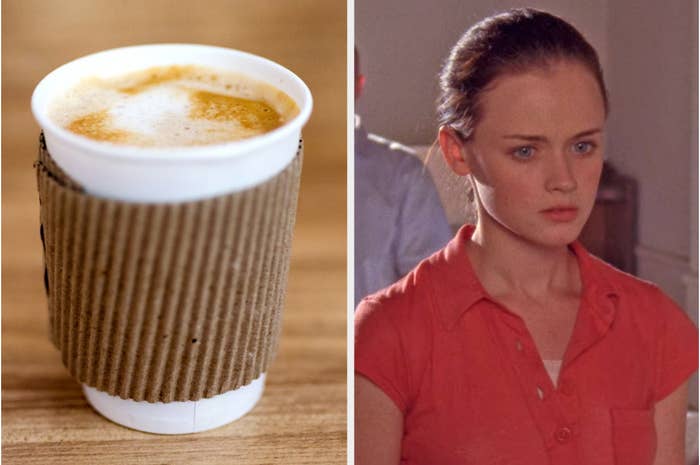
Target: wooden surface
<point x="302" y="415"/>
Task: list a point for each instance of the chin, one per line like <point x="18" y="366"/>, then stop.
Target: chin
<point x="559" y="236"/>
<point x="542" y="233"/>
<point x="556" y="242"/>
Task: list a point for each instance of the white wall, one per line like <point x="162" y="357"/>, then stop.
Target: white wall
<point x="653" y="79"/>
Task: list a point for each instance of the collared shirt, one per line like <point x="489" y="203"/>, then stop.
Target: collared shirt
<point x="399" y="219"/>
<point x="473" y="389"/>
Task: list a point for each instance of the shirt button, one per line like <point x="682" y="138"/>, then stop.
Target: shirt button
<point x="519" y="345"/>
<point x="563" y="435"/>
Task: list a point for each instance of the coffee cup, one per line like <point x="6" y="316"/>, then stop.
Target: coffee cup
<point x="156" y="176"/>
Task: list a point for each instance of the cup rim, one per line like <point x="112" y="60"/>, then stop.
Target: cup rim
<point x="203" y="152"/>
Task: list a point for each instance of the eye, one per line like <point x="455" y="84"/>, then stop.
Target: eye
<point x="583" y="147"/>
<point x="524" y="152"/>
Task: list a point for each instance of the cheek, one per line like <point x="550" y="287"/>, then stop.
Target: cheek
<point x="506" y="193"/>
<point x="590" y="176"/>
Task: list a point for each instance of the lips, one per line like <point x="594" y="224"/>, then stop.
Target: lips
<point x="561" y="213"/>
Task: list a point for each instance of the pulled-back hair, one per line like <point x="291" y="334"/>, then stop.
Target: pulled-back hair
<point x="515" y="41"/>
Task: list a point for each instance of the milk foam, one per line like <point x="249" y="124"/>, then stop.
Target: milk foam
<point x="172" y="106"/>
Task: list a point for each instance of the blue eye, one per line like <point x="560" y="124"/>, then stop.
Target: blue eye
<point x="583" y="147"/>
<point x="524" y="152"/>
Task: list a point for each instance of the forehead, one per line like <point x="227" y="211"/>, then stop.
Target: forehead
<point x="561" y="98"/>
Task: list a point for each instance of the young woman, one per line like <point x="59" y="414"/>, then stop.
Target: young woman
<point x="513" y="345"/>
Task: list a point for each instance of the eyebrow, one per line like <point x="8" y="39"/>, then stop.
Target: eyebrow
<point x="534" y="138"/>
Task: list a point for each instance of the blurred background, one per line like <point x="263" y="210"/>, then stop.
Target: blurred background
<point x="302" y="415"/>
<point x="646" y="216"/>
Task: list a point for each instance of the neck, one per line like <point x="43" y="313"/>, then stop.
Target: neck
<point x="508" y="264"/>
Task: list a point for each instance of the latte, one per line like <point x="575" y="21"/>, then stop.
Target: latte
<point x="170" y="106"/>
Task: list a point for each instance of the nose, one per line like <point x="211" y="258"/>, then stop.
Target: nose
<point x="560" y="175"/>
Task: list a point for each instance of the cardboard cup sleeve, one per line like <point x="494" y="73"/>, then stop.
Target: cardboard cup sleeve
<point x="166" y="302"/>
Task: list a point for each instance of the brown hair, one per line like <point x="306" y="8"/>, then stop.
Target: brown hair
<point x="514" y="41"/>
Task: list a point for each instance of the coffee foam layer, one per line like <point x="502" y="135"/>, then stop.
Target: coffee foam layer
<point x="172" y="106"/>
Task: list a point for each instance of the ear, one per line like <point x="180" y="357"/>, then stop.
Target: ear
<point x="453" y="148"/>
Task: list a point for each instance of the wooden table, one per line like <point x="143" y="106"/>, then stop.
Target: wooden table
<point x="302" y="415"/>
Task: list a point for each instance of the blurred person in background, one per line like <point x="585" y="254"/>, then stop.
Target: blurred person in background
<point x="399" y="219"/>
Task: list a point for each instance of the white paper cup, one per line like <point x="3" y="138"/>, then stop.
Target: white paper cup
<point x="156" y="175"/>
<point x="141" y="174"/>
<point x="177" y="417"/>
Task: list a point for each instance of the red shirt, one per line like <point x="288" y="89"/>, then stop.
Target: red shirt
<point x="466" y="374"/>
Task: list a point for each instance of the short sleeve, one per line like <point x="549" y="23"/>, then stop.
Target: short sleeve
<point x="677" y="348"/>
<point x="379" y="353"/>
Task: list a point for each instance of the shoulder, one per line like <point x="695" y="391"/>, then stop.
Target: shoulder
<point x="401" y="157"/>
<point x="668" y="336"/>
<point x="407" y="305"/>
<point x="644" y="300"/>
<point x="391" y="146"/>
<point x="394" y="336"/>
<point x="625" y="284"/>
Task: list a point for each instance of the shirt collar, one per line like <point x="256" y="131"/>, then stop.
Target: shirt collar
<point x="457" y="289"/>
